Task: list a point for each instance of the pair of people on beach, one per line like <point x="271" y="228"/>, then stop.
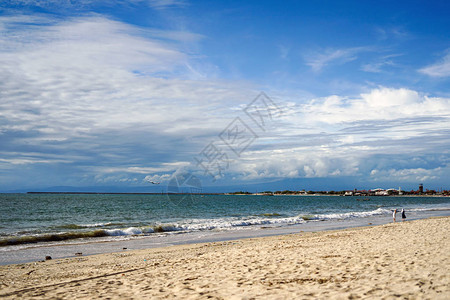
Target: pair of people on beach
<point x="394" y="214"/>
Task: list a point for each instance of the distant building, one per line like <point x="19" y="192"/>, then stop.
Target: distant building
<point x="381" y="192"/>
<point x="392" y="191"/>
<point x="421" y="188"/>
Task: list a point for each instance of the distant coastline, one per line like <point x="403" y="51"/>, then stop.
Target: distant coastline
<point x="117" y="193"/>
<point x="246" y="194"/>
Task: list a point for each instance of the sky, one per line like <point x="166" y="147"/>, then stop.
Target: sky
<point x="100" y="95"/>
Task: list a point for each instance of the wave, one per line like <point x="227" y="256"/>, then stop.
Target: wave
<point x="232" y="223"/>
<point x="10" y="241"/>
<point x="84" y="226"/>
<point x="270" y="215"/>
<point x="349" y="215"/>
<point x="79" y="231"/>
<point x="430" y="209"/>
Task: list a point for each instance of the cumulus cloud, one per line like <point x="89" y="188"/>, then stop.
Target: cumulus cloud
<point x="379" y="104"/>
<point x="407" y="175"/>
<point x="157" y="178"/>
<point x="342" y="136"/>
<point x="295" y="162"/>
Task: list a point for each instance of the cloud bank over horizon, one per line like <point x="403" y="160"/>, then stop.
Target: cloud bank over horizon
<point x="92" y="100"/>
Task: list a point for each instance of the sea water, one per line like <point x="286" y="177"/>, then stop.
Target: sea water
<point x="31" y="222"/>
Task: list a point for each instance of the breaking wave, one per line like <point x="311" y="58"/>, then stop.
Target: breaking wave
<point x="80" y="231"/>
<point x="50" y="237"/>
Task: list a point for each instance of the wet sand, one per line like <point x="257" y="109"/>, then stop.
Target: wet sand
<point x="405" y="259"/>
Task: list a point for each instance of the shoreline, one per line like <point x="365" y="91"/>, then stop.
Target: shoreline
<point x="34" y="252"/>
<point x="403" y="259"/>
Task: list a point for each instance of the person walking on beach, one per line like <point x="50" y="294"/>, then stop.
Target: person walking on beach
<point x="403" y="215"/>
<point x="394" y="214"/>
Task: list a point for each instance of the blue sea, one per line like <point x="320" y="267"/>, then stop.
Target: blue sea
<point x="36" y="221"/>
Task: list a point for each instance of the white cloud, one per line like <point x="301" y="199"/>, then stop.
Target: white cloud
<point x="407" y="175"/>
<point x="379" y="104"/>
<point x="284" y="51"/>
<point x="342" y="136"/>
<point x="294" y="162"/>
<point x="86" y="4"/>
<point x="157" y="178"/>
<point x="378" y="65"/>
<point x="318" y="61"/>
<point x="26" y="161"/>
<point x="113" y="93"/>
<point x="162" y="4"/>
<point x="93" y="72"/>
<point x="393" y="33"/>
<point x="115" y="103"/>
<point x="373" y="67"/>
<point x="439" y="69"/>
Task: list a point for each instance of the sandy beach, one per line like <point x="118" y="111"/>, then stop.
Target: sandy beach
<point x="406" y="259"/>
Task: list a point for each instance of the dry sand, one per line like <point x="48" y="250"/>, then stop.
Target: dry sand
<point x="408" y="260"/>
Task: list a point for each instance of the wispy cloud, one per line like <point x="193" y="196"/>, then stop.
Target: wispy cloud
<point x="103" y="93"/>
<point x="440" y="68"/>
<point x="58" y="5"/>
<point x="162" y="4"/>
<point x="378" y="65"/>
<point x="318" y="61"/>
<point x="284" y="51"/>
<point x="393" y="33"/>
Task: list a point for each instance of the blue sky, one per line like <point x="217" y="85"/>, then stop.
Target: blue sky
<point x="110" y="94"/>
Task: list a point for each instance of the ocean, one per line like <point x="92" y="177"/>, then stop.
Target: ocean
<point x="31" y="222"/>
